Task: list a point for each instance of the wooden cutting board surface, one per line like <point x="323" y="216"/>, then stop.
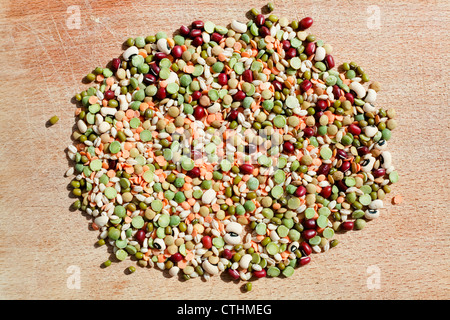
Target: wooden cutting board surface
<point x="47" y="47"/>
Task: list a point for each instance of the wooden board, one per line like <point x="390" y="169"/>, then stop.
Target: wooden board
<point x="44" y="56"/>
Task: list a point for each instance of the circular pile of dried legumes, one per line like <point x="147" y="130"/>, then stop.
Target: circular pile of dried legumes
<point x="238" y="149"/>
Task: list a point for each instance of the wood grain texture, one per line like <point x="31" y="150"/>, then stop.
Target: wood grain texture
<point x="43" y="62"/>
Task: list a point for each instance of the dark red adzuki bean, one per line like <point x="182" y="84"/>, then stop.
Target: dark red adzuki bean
<point x="322" y="104"/>
<point x="177" y="51"/>
<point x="347" y="225"/>
<point x="140" y="236"/>
<point x="306" y="85"/>
<point x="300" y="191"/>
<point x="196" y="95"/>
<point x="305" y="248"/>
<point x="290" y="53"/>
<point x="160" y="55"/>
<point x="330" y="61"/>
<point x="288" y="147"/>
<point x="264" y="31"/>
<point x="233" y="115"/>
<point x="246" y="168"/>
<point x="247" y="75"/>
<point x="184" y="31"/>
<point x="309" y="224"/>
<point x="309" y="234"/>
<point x="198" y="24"/>
<point x="195" y="33"/>
<point x="233" y="273"/>
<point x="354" y="129"/>
<point x="310" y="48"/>
<point x="260" y="20"/>
<point x="308" y="132"/>
<point x="380" y="172"/>
<point x="304" y="260"/>
<point x="350" y="97"/>
<point x="306" y="23"/>
<point x="216" y="37"/>
<point x="260" y="274"/>
<point x="194" y="172"/>
<point x="326" y="192"/>
<point x="115" y="64"/>
<point x="199" y="112"/>
<point x="345" y="166"/>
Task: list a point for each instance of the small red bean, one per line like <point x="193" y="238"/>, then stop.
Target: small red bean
<point x="264" y="31"/>
<point x="322" y="104"/>
<point x="341" y="185"/>
<point x="247" y="75"/>
<point x="239" y="96"/>
<point x="341" y="154"/>
<point x="309" y="234"/>
<point x="347" y="225"/>
<point x="227" y="254"/>
<point x="324" y="169"/>
<point x="176" y="257"/>
<point x="290" y="53"/>
<point x="286" y="45"/>
<point x="277" y="85"/>
<point x="195" y="33"/>
<point x="233" y="115"/>
<point x="336" y="91"/>
<point x="197" y="42"/>
<point x="160" y="55"/>
<point x="233" y="273"/>
<point x="306" y="85"/>
<point x="199" y="112"/>
<point x="140" y="236"/>
<point x="345" y="166"/>
<point x="109" y="95"/>
<point x="161" y="93"/>
<point x="115" y="64"/>
<point x="362" y="150"/>
<point x="149" y="79"/>
<point x="304" y="260"/>
<point x="260" y="20"/>
<point x="305" y="248"/>
<point x="308" y="132"/>
<point x="326" y="192"/>
<point x="155" y="69"/>
<point x="310" y="48"/>
<point x="198" y="24"/>
<point x="306" y="23"/>
<point x="194" y="173"/>
<point x="350" y="97"/>
<point x="309" y="224"/>
<point x="196" y="95"/>
<point x="354" y="129"/>
<point x="300" y="191"/>
<point x="330" y="61"/>
<point x="177" y="51"/>
<point x="288" y="147"/>
<point x="380" y="172"/>
<point x="246" y="168"/>
<point x="184" y="31"/>
<point x="260" y="274"/>
<point x="216" y="37"/>
<point x="207" y="242"/>
<point x="222" y="79"/>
